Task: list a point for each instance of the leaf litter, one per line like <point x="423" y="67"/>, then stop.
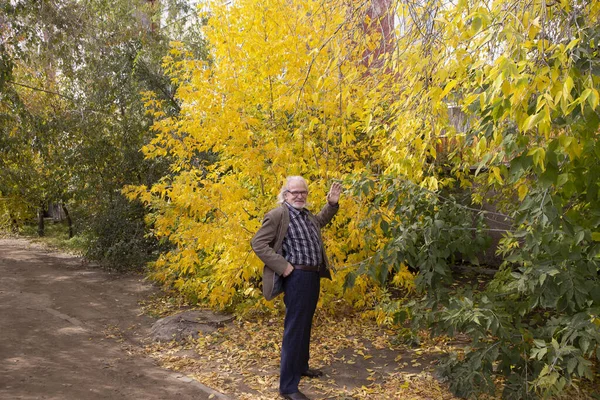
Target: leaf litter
<point x="360" y="360"/>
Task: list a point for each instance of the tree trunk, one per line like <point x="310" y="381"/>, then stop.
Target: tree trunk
<point x="14" y="224"/>
<point x="69" y="221"/>
<point x="41" y="221"/>
<point x="379" y="18"/>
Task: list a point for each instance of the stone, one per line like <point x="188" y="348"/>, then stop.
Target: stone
<point x="181" y="326"/>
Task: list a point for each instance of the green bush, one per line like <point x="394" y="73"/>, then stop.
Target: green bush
<point x="535" y="326"/>
<point x="118" y="236"/>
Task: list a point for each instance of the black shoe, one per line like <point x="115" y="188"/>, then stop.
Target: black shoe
<point x="313" y="373"/>
<point x="295" y="396"/>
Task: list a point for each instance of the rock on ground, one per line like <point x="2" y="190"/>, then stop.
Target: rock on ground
<point x="181" y="326"/>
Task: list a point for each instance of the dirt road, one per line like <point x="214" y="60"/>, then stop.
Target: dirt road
<point x="68" y="331"/>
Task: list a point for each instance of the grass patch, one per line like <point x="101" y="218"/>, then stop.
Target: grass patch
<point x="56" y="236"/>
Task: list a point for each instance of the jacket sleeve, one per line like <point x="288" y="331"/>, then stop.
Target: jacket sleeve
<point x="326" y="214"/>
<point x="264" y="241"/>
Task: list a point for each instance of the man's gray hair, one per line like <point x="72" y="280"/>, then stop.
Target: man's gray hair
<point x="284" y="188"/>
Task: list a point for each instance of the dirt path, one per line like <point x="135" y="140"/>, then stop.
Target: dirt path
<point x="68" y="331"/>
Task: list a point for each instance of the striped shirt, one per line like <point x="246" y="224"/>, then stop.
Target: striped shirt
<point x="302" y="245"/>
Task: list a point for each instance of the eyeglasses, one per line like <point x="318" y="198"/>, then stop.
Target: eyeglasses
<point x="297" y="193"/>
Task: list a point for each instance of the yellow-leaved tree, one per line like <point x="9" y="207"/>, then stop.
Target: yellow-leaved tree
<point x="308" y="88"/>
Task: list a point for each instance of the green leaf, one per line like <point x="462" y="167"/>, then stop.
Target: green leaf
<point x="571" y="364"/>
<point x="549" y="177"/>
<point x="476" y="24"/>
<point x="579" y="236"/>
<point x="584" y="344"/>
<point x="541" y="353"/>
<point x="538" y="154"/>
<point x="582" y="369"/>
<point x="385" y="226"/>
<point x="562" y="179"/>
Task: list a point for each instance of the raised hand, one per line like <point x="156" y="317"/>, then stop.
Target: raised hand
<point x="334" y="193"/>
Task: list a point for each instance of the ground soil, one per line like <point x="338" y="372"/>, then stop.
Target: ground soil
<point x="71" y="331"/>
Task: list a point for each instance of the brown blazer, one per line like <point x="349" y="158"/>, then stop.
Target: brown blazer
<point x="268" y="241"/>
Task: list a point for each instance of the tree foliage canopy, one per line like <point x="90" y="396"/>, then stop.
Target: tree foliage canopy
<point x="73" y="119"/>
<point x="286" y="93"/>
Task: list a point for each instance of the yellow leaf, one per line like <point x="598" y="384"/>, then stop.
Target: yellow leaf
<point x="593" y="99"/>
<point x="530" y="122"/>
<point x="567" y="87"/>
<point x="497" y="175"/>
<point x="572" y="44"/>
<point x="523" y="190"/>
<point x="449" y="86"/>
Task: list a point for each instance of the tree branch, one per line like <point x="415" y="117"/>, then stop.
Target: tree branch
<point x="42" y="90"/>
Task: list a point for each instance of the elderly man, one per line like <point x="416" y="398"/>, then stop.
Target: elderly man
<point x="289" y="243"/>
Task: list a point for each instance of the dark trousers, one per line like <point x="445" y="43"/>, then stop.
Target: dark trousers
<point x="301" y="293"/>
